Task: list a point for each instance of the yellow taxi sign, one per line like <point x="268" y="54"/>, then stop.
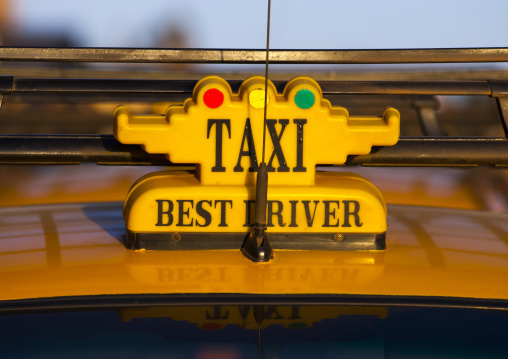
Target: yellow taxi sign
<point x="222" y="132"/>
<point x="219" y="316"/>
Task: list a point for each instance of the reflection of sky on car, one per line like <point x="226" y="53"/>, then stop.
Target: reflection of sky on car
<point x="81" y="179"/>
<point x="61" y="184"/>
<point x="295" y="24"/>
<point x="435" y="182"/>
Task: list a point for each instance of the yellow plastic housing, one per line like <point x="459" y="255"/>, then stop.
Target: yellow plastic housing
<point x="177" y="202"/>
<point x="222" y="132"/>
<point x="300" y="133"/>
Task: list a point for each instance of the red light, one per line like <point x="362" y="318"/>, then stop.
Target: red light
<point x="211" y="326"/>
<point x="213" y="98"/>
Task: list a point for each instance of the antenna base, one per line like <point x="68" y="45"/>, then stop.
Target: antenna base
<point x="257" y="249"/>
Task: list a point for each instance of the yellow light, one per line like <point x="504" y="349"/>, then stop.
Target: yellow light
<point x="257" y="98"/>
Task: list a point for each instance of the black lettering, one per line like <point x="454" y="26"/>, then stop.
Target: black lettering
<point x="307" y="276"/>
<point x="251" y="152"/>
<point x="203" y="213"/>
<point x="328" y="273"/>
<point x="182" y="212"/>
<point x="277" y="149"/>
<point x="223" y="211"/>
<point x="349" y="274"/>
<point x="203" y="274"/>
<point x="222" y="275"/>
<point x="293" y="214"/>
<point x="248" y="213"/>
<point x="329" y="214"/>
<point x="295" y="312"/>
<point x="218" y="141"/>
<point x="272" y="310"/>
<point x="217" y="313"/>
<point x="165" y="275"/>
<point x="347" y="213"/>
<point x="291" y="274"/>
<point x="277" y="213"/>
<point x="244" y="311"/>
<point x="310" y="220"/>
<point x="161" y="212"/>
<point x="184" y="274"/>
<point x="299" y="145"/>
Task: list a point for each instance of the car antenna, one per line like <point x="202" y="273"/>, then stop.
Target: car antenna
<point x="257" y="246"/>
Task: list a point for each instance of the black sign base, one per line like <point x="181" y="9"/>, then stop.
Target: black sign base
<point x="296" y="241"/>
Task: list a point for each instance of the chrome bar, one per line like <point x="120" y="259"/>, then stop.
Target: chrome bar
<point x="253" y="56"/>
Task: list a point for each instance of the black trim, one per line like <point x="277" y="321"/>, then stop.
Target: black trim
<point x="296" y="241"/>
<point x="103" y="302"/>
<point x="182" y="89"/>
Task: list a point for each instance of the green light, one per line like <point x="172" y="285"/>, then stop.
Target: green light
<point x="304" y="99"/>
<point x="298" y="325"/>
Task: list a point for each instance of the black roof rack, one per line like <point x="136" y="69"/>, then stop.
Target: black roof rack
<point x="436" y="150"/>
<point x="106" y="150"/>
<point x="34" y="87"/>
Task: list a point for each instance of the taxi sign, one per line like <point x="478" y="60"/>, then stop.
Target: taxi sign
<point x="222" y="132"/>
<point x="249" y="316"/>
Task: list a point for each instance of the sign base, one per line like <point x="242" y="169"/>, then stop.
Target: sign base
<point x="224" y="241"/>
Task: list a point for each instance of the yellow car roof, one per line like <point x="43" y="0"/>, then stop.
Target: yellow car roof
<point x="76" y="250"/>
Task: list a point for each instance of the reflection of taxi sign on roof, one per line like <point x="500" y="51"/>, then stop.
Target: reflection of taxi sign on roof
<point x="222" y="132"/>
<point x="219" y="316"/>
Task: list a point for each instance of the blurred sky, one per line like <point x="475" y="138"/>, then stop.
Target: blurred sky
<point x="295" y="23"/>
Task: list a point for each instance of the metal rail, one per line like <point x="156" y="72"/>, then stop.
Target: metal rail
<point x="106" y="150"/>
<point x="86" y="87"/>
<point x="251" y="56"/>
